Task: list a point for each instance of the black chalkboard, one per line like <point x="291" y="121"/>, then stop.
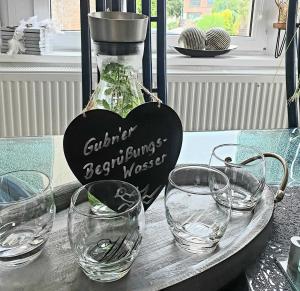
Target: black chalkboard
<point x="141" y="149"/>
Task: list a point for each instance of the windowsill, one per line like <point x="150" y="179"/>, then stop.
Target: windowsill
<point x="234" y="62"/>
<point x="231" y="59"/>
<point x="58" y="57"/>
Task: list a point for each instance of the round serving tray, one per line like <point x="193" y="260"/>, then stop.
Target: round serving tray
<point x="203" y="53"/>
<point x="160" y="264"/>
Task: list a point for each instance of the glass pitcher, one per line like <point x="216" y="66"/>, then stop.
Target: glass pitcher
<point x="118" y="44"/>
<point x="119" y="65"/>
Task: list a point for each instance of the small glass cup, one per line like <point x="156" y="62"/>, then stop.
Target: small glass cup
<point x="106" y="240"/>
<point x="246" y="176"/>
<point x="196" y="220"/>
<point x="27" y="212"/>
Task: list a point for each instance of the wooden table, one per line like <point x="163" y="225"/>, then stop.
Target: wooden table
<point x="46" y="154"/>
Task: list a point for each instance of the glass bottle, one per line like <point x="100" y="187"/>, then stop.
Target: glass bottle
<point x="119" y="65"/>
<point x="118" y="39"/>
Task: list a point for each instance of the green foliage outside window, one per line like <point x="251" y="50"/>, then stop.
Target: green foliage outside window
<point x="174" y="10"/>
<point x="240" y="12"/>
<point x="224" y="19"/>
<point x="153" y="7"/>
<point x="174" y="7"/>
<point x="232" y="15"/>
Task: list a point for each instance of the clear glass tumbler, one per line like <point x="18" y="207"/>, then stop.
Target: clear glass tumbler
<point x="27" y="212"/>
<point x="106" y="240"/>
<point x="197" y="221"/>
<point x="245" y="168"/>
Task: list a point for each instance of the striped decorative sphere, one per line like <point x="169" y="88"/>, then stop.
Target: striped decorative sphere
<point x="192" y="38"/>
<point x="217" y="39"/>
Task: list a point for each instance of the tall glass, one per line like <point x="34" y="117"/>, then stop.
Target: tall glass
<point x="27" y="212"/>
<point x="106" y="240"/>
<point x="246" y="175"/>
<point x="197" y="221"/>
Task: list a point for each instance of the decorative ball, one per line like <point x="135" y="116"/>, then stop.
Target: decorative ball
<point x="192" y="38"/>
<point x="217" y="39"/>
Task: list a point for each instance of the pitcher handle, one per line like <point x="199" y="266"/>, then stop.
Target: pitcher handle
<point x="280" y="192"/>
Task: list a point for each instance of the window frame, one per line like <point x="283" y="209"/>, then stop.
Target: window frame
<point x="70" y="40"/>
<point x="195" y="5"/>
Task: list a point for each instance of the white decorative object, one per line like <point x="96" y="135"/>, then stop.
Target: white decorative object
<point x="192" y="38"/>
<point x="217" y="39"/>
<point x="30" y="37"/>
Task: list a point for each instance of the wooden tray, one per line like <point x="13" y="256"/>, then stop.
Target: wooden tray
<point x="160" y="264"/>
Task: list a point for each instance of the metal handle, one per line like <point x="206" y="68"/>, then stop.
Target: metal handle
<point x="280" y="192"/>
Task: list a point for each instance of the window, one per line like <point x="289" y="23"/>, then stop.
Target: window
<point x="233" y="15"/>
<point x="195" y="3"/>
<point x="66" y="13"/>
<point x="247" y="23"/>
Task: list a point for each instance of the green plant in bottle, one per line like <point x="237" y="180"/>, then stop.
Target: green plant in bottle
<point x="117" y="90"/>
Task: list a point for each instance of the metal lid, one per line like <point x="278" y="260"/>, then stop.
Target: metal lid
<point x="118" y="48"/>
<point x="118" y="26"/>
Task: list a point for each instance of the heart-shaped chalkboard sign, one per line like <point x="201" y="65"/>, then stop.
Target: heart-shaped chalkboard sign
<point x="140" y="149"/>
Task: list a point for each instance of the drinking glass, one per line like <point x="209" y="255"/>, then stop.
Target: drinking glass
<point x="106" y="237"/>
<point x="245" y="168"/>
<point x="27" y="212"/>
<point x="197" y="221"/>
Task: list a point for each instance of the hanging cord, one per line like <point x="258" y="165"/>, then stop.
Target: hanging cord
<point x="92" y="102"/>
<point x="280" y="25"/>
<point x="154" y="98"/>
<point x="280" y="47"/>
<point x="282" y="58"/>
<point x="296" y="94"/>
